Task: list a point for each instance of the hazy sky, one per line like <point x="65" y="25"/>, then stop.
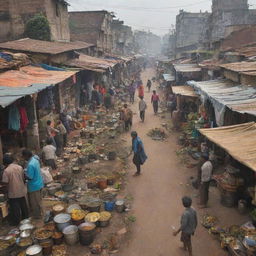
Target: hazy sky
<point x="154" y="15"/>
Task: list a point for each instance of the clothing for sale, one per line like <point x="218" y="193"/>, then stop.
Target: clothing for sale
<point x="23" y="119"/>
<point x="14" y="118"/>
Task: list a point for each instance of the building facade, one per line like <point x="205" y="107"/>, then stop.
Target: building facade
<point x="15" y="14"/>
<point x="191" y="30"/>
<point x="123" y="39"/>
<point x="92" y="27"/>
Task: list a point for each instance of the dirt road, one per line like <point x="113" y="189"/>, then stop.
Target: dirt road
<point x="157" y="197"/>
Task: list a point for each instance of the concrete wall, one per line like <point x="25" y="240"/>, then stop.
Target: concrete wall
<point x="191" y="28"/>
<point x="57" y="15"/>
<point x="92" y="27"/>
<point x="14" y="15"/>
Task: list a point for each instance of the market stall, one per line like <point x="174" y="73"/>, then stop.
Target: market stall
<point x="239" y="142"/>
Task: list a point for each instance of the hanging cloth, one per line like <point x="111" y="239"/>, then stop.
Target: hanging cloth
<point x="14" y="118"/>
<point x="23" y="119"/>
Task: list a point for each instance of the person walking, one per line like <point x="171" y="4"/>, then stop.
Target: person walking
<point x="139" y="157"/>
<point x="149" y="84"/>
<point x="35" y="183"/>
<point x="14" y="178"/>
<point x="49" y="155"/>
<point x="155" y="101"/>
<point x="188" y="225"/>
<point x="205" y="179"/>
<point x="142" y="108"/>
<point x="140" y="90"/>
<point x="128" y="116"/>
<point x="132" y="90"/>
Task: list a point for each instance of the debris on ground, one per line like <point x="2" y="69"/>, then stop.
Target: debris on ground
<point x="157" y="134"/>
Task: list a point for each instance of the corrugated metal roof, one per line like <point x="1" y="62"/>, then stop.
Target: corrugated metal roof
<point x="29" y="75"/>
<point x="168" y="77"/>
<point x="240" y="66"/>
<point x="184" y="90"/>
<point x="236" y="97"/>
<point x="92" y="63"/>
<point x="8" y="95"/>
<point x="38" y="46"/>
<point x="187" y="68"/>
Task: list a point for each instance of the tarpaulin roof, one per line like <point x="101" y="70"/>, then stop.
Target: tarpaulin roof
<point x="29" y="75"/>
<point x="46" y="47"/>
<point x="238" y="140"/>
<point x="225" y="93"/>
<point x="91" y="63"/>
<point x="187" y="68"/>
<point x="184" y="90"/>
<point x="168" y="77"/>
<point x="8" y="95"/>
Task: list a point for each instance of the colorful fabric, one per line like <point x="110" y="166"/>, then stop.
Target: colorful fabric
<point x="23" y="119"/>
<point x="14" y="118"/>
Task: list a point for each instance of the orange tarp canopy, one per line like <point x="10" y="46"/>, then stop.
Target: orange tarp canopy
<point x="29" y="75"/>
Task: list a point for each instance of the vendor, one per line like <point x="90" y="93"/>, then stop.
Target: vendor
<point x="13" y="176"/>
<point x="35" y="183"/>
<point x="205" y="179"/>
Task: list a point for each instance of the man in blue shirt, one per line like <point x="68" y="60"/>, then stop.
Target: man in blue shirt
<point x="35" y="183"/>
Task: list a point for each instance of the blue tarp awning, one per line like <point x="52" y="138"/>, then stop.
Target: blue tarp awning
<point x="8" y="95"/>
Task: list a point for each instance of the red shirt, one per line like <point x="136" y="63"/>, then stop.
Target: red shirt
<point x="154" y="97"/>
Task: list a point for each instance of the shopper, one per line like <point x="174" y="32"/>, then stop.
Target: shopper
<point x="49" y="155"/>
<point x="206" y="176"/>
<point x="188" y="224"/>
<point x="128" y="116"/>
<point x="155" y="100"/>
<point x="140" y="89"/>
<point x="13" y="176"/>
<point x="139" y="156"/>
<point x="35" y="183"/>
<point x="149" y="84"/>
<point x="142" y="108"/>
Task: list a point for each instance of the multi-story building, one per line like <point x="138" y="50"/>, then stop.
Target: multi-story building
<point x="15" y="14"/>
<point x="92" y="27"/>
<point x="123" y="39"/>
<point x="191" y="30"/>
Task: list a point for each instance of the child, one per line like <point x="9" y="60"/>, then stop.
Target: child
<point x="188" y="224"/>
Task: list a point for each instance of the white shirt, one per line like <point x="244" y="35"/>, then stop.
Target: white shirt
<point x="206" y="171"/>
<point x="49" y="152"/>
<point x="142" y="105"/>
